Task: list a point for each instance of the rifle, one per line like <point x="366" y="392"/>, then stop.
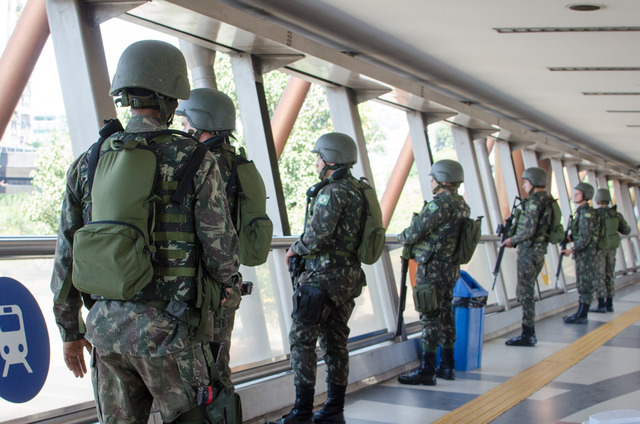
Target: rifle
<point x="295" y="269"/>
<point x="503" y="231"/>
<point x="402" y="301"/>
<point x="563" y="246"/>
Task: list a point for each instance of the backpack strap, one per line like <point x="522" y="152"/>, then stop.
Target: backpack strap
<point x="189" y="173"/>
<point x="110" y="127"/>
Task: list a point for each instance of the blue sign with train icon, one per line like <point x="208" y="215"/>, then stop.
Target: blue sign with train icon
<point x="24" y="343"/>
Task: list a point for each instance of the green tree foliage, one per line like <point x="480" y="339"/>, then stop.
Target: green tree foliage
<point x="49" y="184"/>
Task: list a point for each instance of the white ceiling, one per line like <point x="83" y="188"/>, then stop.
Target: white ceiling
<point x="453" y="47"/>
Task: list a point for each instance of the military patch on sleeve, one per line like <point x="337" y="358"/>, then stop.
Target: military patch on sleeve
<point x="323" y="199"/>
<point x="533" y="207"/>
<point x="587" y="214"/>
<point x="432" y="207"/>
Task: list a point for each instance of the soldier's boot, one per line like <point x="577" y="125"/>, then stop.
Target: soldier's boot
<point x="333" y="410"/>
<point x="527" y="338"/>
<point x="302" y="412"/>
<point x="447" y="367"/>
<point x="426" y="374"/>
<point x="608" y="304"/>
<point x="580" y="317"/>
<point x="601" y="309"/>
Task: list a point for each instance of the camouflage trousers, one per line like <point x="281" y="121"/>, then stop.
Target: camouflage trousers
<point x="333" y="333"/>
<point x="606" y="287"/>
<point x="589" y="270"/>
<point x="222" y="329"/>
<point x="438" y="326"/>
<point x="126" y="386"/>
<point x="530" y="262"/>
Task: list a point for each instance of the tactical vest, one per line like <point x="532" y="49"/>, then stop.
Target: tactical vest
<point x="441" y="243"/>
<point x="345" y="240"/>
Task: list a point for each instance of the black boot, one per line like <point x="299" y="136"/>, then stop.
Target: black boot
<point x="302" y="412"/>
<point x="527" y="338"/>
<point x="580" y="317"/>
<point x="608" y="305"/>
<point x="601" y="306"/>
<point x="333" y="410"/>
<point x="426" y="374"/>
<point x="447" y="367"/>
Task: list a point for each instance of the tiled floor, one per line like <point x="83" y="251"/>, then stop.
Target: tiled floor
<point x="607" y="379"/>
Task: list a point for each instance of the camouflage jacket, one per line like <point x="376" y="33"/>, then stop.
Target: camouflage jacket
<point x="225" y="153"/>
<point x="329" y="243"/>
<point x="434" y="231"/>
<point x="585" y="228"/>
<point x="130" y="327"/>
<point x="533" y="221"/>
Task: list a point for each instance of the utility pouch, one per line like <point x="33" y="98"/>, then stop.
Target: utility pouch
<point x="424" y="298"/>
<point x="220" y="405"/>
<point x="308" y="304"/>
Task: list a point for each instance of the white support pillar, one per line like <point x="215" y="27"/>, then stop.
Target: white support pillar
<point x="510" y="180"/>
<point x="474" y="192"/>
<point x="629" y="245"/>
<point x="421" y="152"/>
<point x="529" y="158"/>
<point x="258" y="135"/>
<point x="592" y="179"/>
<point x="200" y="61"/>
<point x="260" y="147"/>
<point x="601" y="178"/>
<point x="565" y="206"/>
<point x="494" y="216"/>
<point x="82" y="68"/>
<point x="574" y="177"/>
<point x="346" y="119"/>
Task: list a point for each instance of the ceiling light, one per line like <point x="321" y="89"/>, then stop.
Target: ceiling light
<point x="539" y="30"/>
<point x="610" y="93"/>
<point x="593" y="68"/>
<point x="585" y="7"/>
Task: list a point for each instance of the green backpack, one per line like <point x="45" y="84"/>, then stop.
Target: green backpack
<point x="112" y="253"/>
<point x="373" y="235"/>
<point x="470" y="233"/>
<point x="556" y="230"/>
<point x="255" y="229"/>
<point x="609" y="236"/>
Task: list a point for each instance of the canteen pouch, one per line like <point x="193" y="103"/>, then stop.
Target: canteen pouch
<point x="424" y="298"/>
<point x="308" y="304"/>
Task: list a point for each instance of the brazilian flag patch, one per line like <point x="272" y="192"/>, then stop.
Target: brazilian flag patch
<point x="323" y="199"/>
<point x="533" y="207"/>
<point x="587" y="214"/>
<point x="432" y="207"/>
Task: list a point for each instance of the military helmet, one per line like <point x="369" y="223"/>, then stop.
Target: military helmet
<point x="586" y="189"/>
<point x="536" y="176"/>
<point x="336" y="148"/>
<point x="152" y="65"/>
<point x="602" y="196"/>
<point x="208" y="110"/>
<point x="447" y="171"/>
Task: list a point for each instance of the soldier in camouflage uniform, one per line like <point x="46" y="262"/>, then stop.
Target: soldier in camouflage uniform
<point x="141" y="352"/>
<point x="433" y="237"/>
<point x="605" y="288"/>
<point x="331" y="280"/>
<point x="585" y="232"/>
<point x="532" y="238"/>
<point x="210" y="116"/>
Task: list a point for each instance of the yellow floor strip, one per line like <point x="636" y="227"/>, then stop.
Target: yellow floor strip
<point x="490" y="405"/>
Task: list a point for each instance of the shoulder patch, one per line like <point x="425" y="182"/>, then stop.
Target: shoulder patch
<point x="323" y="199"/>
<point x="432" y="207"/>
<point x="587" y="214"/>
<point x="533" y="207"/>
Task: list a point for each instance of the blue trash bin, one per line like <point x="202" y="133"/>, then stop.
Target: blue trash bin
<point x="469" y="300"/>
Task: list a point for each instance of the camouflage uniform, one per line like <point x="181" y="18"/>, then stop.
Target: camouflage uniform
<point x="605" y="288"/>
<point x="328" y="248"/>
<point x="585" y="231"/>
<point x="225" y="319"/>
<point x="140" y="353"/>
<point x="433" y="235"/>
<point x="532" y="238"/>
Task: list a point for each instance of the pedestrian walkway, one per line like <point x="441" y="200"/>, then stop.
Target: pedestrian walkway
<point x="573" y="372"/>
